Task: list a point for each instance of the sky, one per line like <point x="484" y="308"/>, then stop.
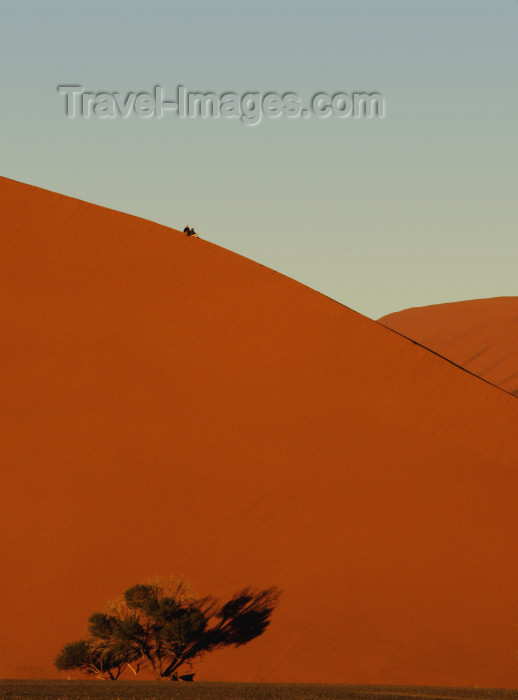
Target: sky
<point x="415" y="208"/>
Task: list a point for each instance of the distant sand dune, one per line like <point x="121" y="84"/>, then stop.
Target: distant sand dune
<point x="171" y="407"/>
<point x="481" y="335"/>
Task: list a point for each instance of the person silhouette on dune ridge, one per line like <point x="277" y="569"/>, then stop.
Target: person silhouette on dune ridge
<point x="190" y="232"/>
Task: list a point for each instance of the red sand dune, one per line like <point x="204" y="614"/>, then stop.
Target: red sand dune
<point x="171" y="407"/>
<point x="479" y="335"/>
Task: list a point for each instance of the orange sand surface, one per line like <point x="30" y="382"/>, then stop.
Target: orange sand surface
<point x="171" y="407"/>
<point x="480" y="335"/>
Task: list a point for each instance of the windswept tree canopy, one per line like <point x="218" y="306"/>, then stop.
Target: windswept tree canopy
<point x="161" y="626"/>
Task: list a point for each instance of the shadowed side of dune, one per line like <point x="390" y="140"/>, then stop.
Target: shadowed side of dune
<point x="169" y="406"/>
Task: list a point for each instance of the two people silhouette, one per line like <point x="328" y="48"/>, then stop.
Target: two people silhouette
<point x="190" y="232"/>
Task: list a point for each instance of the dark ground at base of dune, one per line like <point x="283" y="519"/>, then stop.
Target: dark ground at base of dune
<point x="148" y="690"/>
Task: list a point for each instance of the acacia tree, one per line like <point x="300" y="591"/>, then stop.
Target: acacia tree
<point x="161" y="626"/>
<point x="86" y="655"/>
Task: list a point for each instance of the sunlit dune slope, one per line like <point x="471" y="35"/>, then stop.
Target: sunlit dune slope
<point x="171" y="407"/>
<point x="480" y="335"/>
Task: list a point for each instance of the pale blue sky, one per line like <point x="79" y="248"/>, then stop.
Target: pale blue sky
<point x="417" y="208"/>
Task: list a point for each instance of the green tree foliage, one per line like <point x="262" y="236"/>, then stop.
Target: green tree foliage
<point x="86" y="655"/>
<point x="161" y="626"/>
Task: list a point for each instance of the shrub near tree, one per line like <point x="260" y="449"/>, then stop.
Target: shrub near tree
<point x="162" y="627"/>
